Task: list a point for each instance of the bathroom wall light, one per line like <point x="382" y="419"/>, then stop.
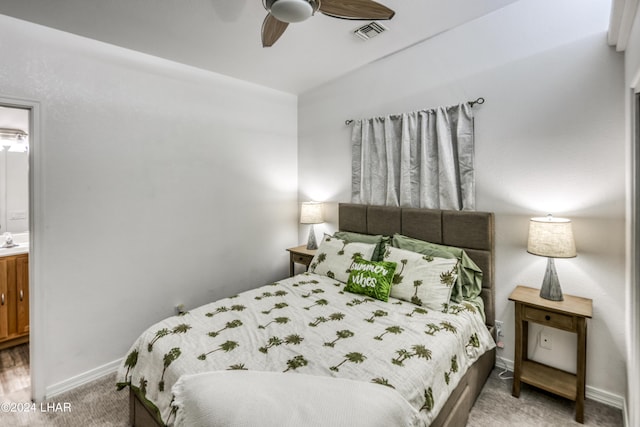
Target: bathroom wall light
<point x="14" y="140"/>
<point x="9" y="133"/>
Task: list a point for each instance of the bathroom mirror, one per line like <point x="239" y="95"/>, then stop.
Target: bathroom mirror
<point x="14" y="170"/>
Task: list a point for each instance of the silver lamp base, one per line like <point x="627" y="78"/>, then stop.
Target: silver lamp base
<point x="550" y="284"/>
<point x="311" y="243"/>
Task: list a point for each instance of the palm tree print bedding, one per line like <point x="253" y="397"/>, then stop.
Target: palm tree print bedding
<point x="290" y="326"/>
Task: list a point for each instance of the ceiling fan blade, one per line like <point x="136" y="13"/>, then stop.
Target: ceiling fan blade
<point x="356" y="9"/>
<point x="272" y="29"/>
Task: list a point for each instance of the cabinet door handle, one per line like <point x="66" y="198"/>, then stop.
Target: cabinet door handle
<point x="3" y="298"/>
<point x="21" y="294"/>
<point x="547" y="317"/>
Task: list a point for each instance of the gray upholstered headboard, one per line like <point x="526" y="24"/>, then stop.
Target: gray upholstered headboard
<point x="472" y="231"/>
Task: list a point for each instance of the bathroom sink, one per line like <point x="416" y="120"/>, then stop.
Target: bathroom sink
<point x="22" y="241"/>
<point x="22" y="248"/>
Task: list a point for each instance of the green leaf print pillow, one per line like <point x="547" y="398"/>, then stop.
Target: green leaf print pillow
<point x="371" y="278"/>
<point x="469" y="283"/>
<point x="422" y="279"/>
<point x="379" y="240"/>
<point x="335" y="256"/>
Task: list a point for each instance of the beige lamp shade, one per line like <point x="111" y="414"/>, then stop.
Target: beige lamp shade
<point x="551" y="237"/>
<point x="311" y="213"/>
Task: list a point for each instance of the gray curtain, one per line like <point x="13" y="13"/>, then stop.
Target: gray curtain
<point x="421" y="159"/>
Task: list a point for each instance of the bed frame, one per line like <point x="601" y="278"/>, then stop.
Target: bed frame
<point x="473" y="231"/>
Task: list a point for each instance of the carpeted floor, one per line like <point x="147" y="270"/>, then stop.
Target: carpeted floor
<point x="496" y="407"/>
<point x="99" y="404"/>
<point x="94" y="404"/>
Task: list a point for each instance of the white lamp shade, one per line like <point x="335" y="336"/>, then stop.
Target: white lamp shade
<point x="551" y="237"/>
<point x="311" y="213"/>
<point x="291" y="10"/>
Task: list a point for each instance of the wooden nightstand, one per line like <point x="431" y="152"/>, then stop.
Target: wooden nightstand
<point x="569" y="315"/>
<point x="300" y="255"/>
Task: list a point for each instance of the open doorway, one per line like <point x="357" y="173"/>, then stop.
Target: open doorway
<point x="15" y="378"/>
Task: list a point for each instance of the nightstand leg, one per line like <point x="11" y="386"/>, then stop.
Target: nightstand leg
<point x="581" y="368"/>
<point x="291" y="267"/>
<point x="520" y="347"/>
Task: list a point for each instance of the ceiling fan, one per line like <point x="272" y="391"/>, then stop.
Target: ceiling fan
<point x="284" y="12"/>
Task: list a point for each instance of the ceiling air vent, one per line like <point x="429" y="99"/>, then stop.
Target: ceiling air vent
<point x="370" y="30"/>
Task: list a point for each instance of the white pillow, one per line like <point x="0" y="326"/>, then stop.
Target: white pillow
<point x="335" y="256"/>
<point x="421" y="279"/>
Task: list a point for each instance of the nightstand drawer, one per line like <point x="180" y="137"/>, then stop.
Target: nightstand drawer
<point x="301" y="259"/>
<point x="300" y="255"/>
<point x="549" y="318"/>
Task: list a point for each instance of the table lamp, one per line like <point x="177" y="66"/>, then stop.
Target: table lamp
<point x="552" y="238"/>
<point x="311" y="213"/>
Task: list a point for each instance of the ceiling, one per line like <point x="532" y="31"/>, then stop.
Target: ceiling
<point x="224" y="35"/>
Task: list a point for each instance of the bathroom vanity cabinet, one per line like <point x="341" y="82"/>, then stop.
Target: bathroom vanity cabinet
<point x="14" y="300"/>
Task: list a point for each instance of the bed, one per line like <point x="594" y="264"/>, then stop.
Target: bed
<point x="309" y="325"/>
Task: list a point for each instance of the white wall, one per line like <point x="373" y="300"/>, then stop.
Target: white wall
<point x="550" y="138"/>
<point x="161" y="184"/>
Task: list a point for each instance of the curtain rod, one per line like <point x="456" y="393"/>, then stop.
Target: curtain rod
<point x="478" y="101"/>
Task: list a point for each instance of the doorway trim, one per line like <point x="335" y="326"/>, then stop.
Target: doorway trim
<point x="633" y="366"/>
<point x="36" y="292"/>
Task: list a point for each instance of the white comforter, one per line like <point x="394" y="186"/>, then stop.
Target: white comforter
<point x="307" y="325"/>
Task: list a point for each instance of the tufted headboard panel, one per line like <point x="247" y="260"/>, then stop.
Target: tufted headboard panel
<point x="472" y="231"/>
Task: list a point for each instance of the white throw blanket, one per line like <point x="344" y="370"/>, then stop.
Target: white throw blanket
<point x="275" y="399"/>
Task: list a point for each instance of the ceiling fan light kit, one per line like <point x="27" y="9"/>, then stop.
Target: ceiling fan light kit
<point x="283" y="12"/>
<point x="291" y="10"/>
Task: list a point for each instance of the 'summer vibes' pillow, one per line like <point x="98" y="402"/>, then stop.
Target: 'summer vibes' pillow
<point x="380" y="241"/>
<point x="422" y="279"/>
<point x="335" y="256"/>
<point x="371" y="278"/>
<point x="469" y="283"/>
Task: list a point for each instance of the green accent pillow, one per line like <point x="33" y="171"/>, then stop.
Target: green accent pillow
<point x="371" y="278"/>
<point x="468" y="286"/>
<point x="379" y="240"/>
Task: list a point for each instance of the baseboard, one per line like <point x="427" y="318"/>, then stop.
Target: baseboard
<point x="82" y="379"/>
<point x="605" y="397"/>
<point x="593" y="393"/>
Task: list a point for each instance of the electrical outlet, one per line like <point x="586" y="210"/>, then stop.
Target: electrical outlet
<point x="545" y="340"/>
<point x="499" y="328"/>
<point x="499" y="342"/>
